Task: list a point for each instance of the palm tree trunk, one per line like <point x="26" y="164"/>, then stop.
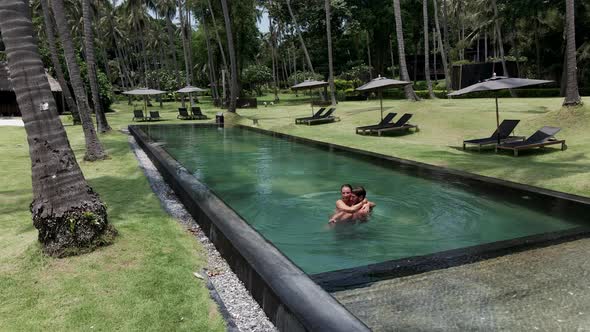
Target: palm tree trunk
<point x="101" y="119"/>
<point x="172" y="45"/>
<point x="94" y="149"/>
<point x="212" y="78"/>
<point x="392" y="58"/>
<point x="446" y="47"/>
<point x="369" y="55"/>
<point x="426" y="49"/>
<point x="298" y="29"/>
<point x="232" y="58"/>
<point x="275" y="71"/>
<point x="442" y="50"/>
<point x="57" y="65"/>
<point x="223" y="58"/>
<point x="572" y="95"/>
<point x="330" y="57"/>
<point x="408" y="89"/>
<point x="66" y="211"/>
<point x="185" y="52"/>
<point x="501" y="44"/>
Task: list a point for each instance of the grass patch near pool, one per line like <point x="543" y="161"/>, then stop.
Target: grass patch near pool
<point x="142" y="282"/>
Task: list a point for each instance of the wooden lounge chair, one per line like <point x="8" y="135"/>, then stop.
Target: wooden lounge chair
<point x="138" y="116"/>
<point x="315" y="116"/>
<point x="154" y="116"/>
<point x="327" y="117"/>
<point x="386" y="120"/>
<point x="501" y="134"/>
<point x="401" y="124"/>
<point x="197" y="114"/>
<point x="183" y="114"/>
<point x="541" y="138"/>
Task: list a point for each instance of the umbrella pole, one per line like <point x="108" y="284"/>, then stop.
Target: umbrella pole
<point x="497" y="119"/>
<point x="311" y="96"/>
<point x="381" y="102"/>
<point x="145" y="106"/>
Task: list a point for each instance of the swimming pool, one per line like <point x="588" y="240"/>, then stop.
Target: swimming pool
<point x="286" y="191"/>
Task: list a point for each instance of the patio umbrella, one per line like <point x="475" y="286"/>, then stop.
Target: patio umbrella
<point x="309" y="84"/>
<point x="144" y="92"/>
<point x="496" y="83"/>
<point x="379" y="84"/>
<point x="190" y="89"/>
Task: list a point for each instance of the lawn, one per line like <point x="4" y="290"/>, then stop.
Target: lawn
<point x="144" y="281"/>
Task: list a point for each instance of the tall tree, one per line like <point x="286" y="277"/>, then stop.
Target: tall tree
<point x="94" y="149"/>
<point x="298" y="29"/>
<point x="572" y="95"/>
<point x="233" y="87"/>
<point x="408" y="89"/>
<point x="68" y="214"/>
<point x="101" y="119"/>
<point x="426" y="49"/>
<point x="330" y="57"/>
<point x="50" y="32"/>
<point x="185" y="46"/>
<point x="499" y="36"/>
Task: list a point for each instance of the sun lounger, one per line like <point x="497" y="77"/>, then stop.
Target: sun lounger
<point x="197" y="114"/>
<point x="541" y="138"/>
<point x="501" y="134"/>
<point x="183" y="114"/>
<point x="138" y="116"/>
<point x="154" y="116"/>
<point x="386" y="120"/>
<point x="315" y="116"/>
<point x="401" y="124"/>
<point x="327" y="117"/>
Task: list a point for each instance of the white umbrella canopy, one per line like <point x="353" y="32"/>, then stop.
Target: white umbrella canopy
<point x="379" y="84"/>
<point x="496" y="83"/>
<point x="189" y="89"/>
<point x="309" y="84"/>
<point x="144" y="92"/>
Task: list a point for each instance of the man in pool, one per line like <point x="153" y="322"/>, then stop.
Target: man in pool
<point x="353" y="204"/>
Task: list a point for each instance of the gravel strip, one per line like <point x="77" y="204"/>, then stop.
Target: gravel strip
<point x="244" y="311"/>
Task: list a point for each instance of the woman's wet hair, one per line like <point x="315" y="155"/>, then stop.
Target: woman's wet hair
<point x="359" y="191"/>
<point x="346" y="185"/>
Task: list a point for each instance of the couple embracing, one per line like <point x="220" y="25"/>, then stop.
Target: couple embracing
<point x="353" y="205"/>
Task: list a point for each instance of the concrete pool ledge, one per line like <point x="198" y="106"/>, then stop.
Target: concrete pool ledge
<point x="291" y="300"/>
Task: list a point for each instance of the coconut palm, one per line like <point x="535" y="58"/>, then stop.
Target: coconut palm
<point x="94" y="149"/>
<point x="68" y="214"/>
<point x="442" y="48"/>
<point x="330" y="58"/>
<point x="50" y="32"/>
<point x="572" y="95"/>
<point x="101" y="120"/>
<point x="232" y="59"/>
<point x="298" y="29"/>
<point x="408" y="89"/>
<point x="426" y="49"/>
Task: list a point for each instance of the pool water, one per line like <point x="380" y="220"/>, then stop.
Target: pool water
<point x="287" y="190"/>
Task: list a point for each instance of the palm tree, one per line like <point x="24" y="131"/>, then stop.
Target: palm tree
<point x="499" y="35"/>
<point x="298" y="29"/>
<point x="408" y="89"/>
<point x="441" y="47"/>
<point x="94" y="149"/>
<point x="426" y="49"/>
<point x="212" y="76"/>
<point x="69" y="215"/>
<point x="232" y="59"/>
<point x="50" y="32"/>
<point x="572" y="95"/>
<point x="330" y="58"/>
<point x="101" y="119"/>
<point x="185" y="47"/>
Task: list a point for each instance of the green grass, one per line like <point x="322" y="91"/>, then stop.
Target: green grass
<point x="142" y="282"/>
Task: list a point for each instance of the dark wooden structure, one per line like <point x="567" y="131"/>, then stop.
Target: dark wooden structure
<point x="8" y="104"/>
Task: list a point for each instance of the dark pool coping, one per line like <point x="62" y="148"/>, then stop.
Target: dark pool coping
<point x="551" y="202"/>
<point x="288" y="296"/>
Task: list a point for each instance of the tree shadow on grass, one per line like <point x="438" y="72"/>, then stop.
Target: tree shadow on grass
<point x="526" y="168"/>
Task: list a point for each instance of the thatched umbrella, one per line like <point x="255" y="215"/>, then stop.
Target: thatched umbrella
<point x="144" y="92"/>
<point x="309" y="84"/>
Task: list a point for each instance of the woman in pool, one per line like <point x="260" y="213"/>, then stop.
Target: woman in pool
<point x="350" y="206"/>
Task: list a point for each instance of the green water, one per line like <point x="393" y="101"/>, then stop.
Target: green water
<point x="288" y="190"/>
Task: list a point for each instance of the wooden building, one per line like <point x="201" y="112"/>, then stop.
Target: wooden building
<point x="8" y="104"/>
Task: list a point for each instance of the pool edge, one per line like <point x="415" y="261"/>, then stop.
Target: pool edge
<point x="288" y="296"/>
